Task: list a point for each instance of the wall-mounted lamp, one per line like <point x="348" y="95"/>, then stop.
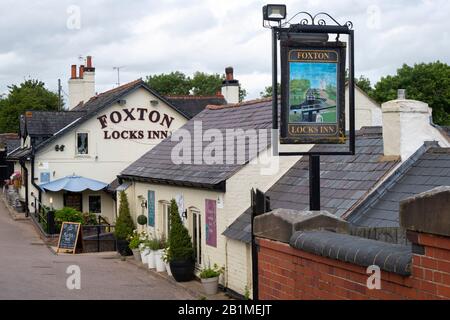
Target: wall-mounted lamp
<point x="184" y="214"/>
<point x="144" y="203"/>
<point x="154" y="103"/>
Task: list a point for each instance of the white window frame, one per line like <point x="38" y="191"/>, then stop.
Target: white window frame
<point x="88" y="144"/>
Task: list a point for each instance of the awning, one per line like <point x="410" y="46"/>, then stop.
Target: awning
<point x="74" y="184"/>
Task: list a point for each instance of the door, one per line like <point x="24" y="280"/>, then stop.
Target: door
<point x="73" y="200"/>
<point x="197" y="236"/>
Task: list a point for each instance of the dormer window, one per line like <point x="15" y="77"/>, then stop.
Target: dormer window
<point x="82" y="143"/>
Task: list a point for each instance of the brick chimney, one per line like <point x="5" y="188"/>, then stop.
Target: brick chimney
<point x="81" y="87"/>
<point x="406" y="126"/>
<point x="230" y="87"/>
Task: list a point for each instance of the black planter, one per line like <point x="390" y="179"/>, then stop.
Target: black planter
<point x="123" y="249"/>
<point x="182" y="270"/>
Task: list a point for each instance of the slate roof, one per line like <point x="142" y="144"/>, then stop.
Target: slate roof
<point x="430" y="170"/>
<point x="10" y="141"/>
<point x="363" y="252"/>
<point x="18" y="153"/>
<point x="157" y="166"/>
<point x="345" y="180"/>
<point x="47" y="123"/>
<point x="12" y="144"/>
<point x="192" y="105"/>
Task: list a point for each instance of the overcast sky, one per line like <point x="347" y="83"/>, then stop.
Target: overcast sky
<point x="41" y="39"/>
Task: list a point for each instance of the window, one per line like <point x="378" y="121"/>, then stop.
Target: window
<point x="95" y="204"/>
<point x="82" y="143"/>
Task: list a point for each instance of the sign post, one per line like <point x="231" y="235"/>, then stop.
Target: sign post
<point x="313" y="88"/>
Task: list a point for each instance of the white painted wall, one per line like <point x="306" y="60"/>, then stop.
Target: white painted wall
<point x="234" y="255"/>
<point x="106" y="158"/>
<point x="367" y="111"/>
<point x="406" y="126"/>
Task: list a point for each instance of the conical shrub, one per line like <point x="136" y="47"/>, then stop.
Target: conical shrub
<point x="124" y="223"/>
<point x="180" y="243"/>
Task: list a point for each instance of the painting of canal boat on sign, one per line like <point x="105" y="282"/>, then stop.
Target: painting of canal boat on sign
<point x="312" y="92"/>
<point x="312" y="95"/>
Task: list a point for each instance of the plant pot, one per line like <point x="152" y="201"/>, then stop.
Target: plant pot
<point x="136" y="254"/>
<point x="182" y="270"/>
<point x="160" y="265"/>
<point x="168" y="268"/>
<point x="151" y="260"/>
<point x="210" y="285"/>
<point x="144" y="255"/>
<point x="123" y="249"/>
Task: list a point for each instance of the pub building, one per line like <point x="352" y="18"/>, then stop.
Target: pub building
<point x="71" y="158"/>
<point x="213" y="198"/>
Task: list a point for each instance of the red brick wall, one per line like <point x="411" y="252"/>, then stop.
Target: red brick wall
<point x="287" y="273"/>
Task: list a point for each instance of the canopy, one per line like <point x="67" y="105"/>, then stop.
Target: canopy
<point x="74" y="184"/>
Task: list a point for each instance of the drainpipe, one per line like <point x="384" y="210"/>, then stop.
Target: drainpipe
<point x="32" y="178"/>
<point x="25" y="170"/>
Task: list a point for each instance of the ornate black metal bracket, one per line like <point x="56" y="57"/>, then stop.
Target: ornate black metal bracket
<point x="319" y="19"/>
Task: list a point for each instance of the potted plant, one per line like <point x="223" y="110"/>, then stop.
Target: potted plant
<point x="181" y="251"/>
<point x="210" y="278"/>
<point x="159" y="262"/>
<point x="165" y="258"/>
<point x="124" y="226"/>
<point x="153" y="245"/>
<point x="134" y="242"/>
<point x="143" y="247"/>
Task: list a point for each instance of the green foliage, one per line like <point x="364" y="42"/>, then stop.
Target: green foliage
<point x="298" y="89"/>
<point x="89" y="218"/>
<point x="204" y="84"/>
<point x="267" y="93"/>
<point x="180" y="243"/>
<point x="364" y="84"/>
<point x="29" y="95"/>
<point x="246" y="293"/>
<point x="213" y="272"/>
<point x="135" y="240"/>
<point x="124" y="223"/>
<point x="156" y="243"/>
<point x="200" y="84"/>
<point x="68" y="214"/>
<point x="174" y="83"/>
<point x="142" y="220"/>
<point x="427" y="82"/>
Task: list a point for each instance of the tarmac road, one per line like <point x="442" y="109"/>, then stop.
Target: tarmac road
<point x="30" y="270"/>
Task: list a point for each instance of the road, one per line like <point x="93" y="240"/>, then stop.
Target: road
<point x="30" y="270"/>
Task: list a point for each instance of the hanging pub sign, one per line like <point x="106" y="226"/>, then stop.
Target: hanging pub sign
<point x="312" y="92"/>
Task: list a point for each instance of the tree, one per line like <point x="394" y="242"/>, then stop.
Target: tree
<point x="180" y="243"/>
<point x="427" y="82"/>
<point x="267" y="93"/>
<point x="204" y="84"/>
<point x="177" y="83"/>
<point x="124" y="223"/>
<point x="362" y="82"/>
<point x="174" y="83"/>
<point x="28" y="96"/>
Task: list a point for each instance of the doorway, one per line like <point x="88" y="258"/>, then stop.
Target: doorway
<point x="196" y="227"/>
<point x="73" y="200"/>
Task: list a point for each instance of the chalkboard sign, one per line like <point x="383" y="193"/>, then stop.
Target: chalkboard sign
<point x="69" y="237"/>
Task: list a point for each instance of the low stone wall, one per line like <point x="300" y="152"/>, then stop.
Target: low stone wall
<point x="322" y="264"/>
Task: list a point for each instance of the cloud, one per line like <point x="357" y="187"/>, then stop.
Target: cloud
<point x="147" y="37"/>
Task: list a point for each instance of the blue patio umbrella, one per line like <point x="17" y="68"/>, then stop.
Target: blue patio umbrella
<point x="74" y="184"/>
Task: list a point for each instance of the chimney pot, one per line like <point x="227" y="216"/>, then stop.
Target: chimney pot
<point x="73" y="74"/>
<point x="401" y="94"/>
<point x="89" y="61"/>
<point x="81" y="73"/>
<point x="229" y="73"/>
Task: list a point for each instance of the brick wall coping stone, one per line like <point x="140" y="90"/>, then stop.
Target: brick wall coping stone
<point x="427" y="212"/>
<point x="363" y="252"/>
<point x="280" y="224"/>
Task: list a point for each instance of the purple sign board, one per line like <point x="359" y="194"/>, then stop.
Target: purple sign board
<point x="211" y="222"/>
